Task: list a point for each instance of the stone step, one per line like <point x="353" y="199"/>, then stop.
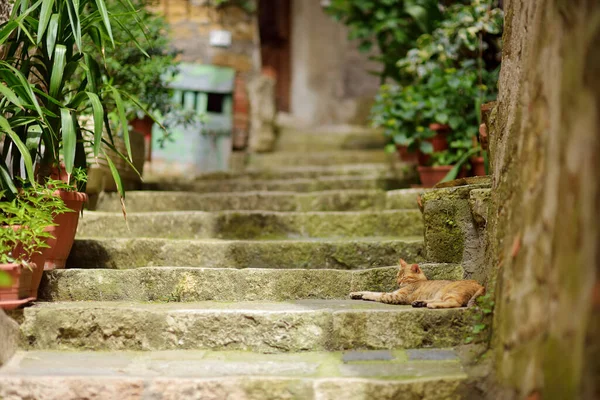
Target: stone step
<point x="221" y="284"/>
<point x="330" y="138"/>
<point x="266" y="327"/>
<point x="429" y="374"/>
<point x="212" y="253"/>
<point x="252" y="224"/>
<point x="346" y="200"/>
<point x="324" y="158"/>
<point x="338" y="182"/>
<point x="295" y="172"/>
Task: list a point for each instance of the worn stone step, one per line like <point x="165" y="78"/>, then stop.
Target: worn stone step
<point x="336" y="200"/>
<point x="211" y="253"/>
<point x="252" y="224"/>
<point x="428" y="374"/>
<point x="339" y="182"/>
<point x="330" y="138"/>
<point x="201" y="284"/>
<point x="298" y="158"/>
<point x="267" y="327"/>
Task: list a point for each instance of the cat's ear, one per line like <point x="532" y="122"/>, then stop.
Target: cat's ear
<point x="415" y="268"/>
<point x="403" y="263"/>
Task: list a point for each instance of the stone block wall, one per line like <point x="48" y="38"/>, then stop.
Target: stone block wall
<point x="544" y="222"/>
<point x="191" y="23"/>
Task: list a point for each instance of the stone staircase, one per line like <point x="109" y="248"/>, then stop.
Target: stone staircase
<point x="235" y="286"/>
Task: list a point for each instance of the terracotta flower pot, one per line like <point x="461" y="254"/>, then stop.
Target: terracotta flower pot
<point x="406" y="155"/>
<point x="430" y="176"/>
<point x="439" y="142"/>
<point x="65" y="229"/>
<point x="39" y="259"/>
<point x="478" y="165"/>
<point x="144" y="126"/>
<point x="18" y="293"/>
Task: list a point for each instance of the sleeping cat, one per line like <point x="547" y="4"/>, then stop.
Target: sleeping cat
<point x="416" y="290"/>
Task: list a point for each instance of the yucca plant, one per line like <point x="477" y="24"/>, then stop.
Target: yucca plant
<point x="51" y="79"/>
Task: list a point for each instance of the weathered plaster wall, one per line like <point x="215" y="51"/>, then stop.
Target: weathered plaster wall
<point x="544" y="221"/>
<point x="330" y="84"/>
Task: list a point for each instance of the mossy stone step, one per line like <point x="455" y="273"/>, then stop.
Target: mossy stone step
<point x="298" y="158"/>
<point x="210" y="253"/>
<point x="335" y="200"/>
<point x="252" y="224"/>
<point x="192" y="374"/>
<point x="201" y="284"/>
<point x="339" y="182"/>
<point x="330" y="138"/>
<point x="266" y="327"/>
<point x="296" y="172"/>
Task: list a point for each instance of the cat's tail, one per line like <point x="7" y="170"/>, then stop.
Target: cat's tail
<point x="478" y="293"/>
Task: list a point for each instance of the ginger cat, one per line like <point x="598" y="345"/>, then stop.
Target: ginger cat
<point x="416" y="290"/>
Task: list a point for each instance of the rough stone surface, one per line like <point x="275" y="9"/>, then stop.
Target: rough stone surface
<point x="9" y="337"/>
<point x="285" y="159"/>
<point x="451" y="234"/>
<point x="347" y="200"/>
<point x="189" y="374"/>
<point x="200" y="284"/>
<point x="212" y="253"/>
<point x="340" y="182"/>
<point x="479" y="200"/>
<point x="304" y="325"/>
<point x="545" y="206"/>
<point x="330" y="138"/>
<point x="261" y="93"/>
<point x="251" y="225"/>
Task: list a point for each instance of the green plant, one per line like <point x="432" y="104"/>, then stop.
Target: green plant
<point x="452" y="71"/>
<point x="392" y="25"/>
<point x="247" y="5"/>
<point x="24" y="219"/>
<point x="51" y="79"/>
<point x="143" y="75"/>
<point x="482" y="318"/>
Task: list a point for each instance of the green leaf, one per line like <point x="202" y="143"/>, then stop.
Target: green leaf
<point x="426" y="147"/>
<point x="478" y="328"/>
<point x="73" y="11"/>
<point x="123" y="120"/>
<point x="56" y="80"/>
<point x="11" y="96"/>
<point x="98" y="121"/>
<point x="105" y="18"/>
<point x="5" y="279"/>
<point x="390" y="148"/>
<point x="45" y="15"/>
<point x="52" y="34"/>
<point x="69" y="139"/>
<point x="6" y="128"/>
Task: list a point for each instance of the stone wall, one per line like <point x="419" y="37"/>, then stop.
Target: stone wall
<point x="192" y="21"/>
<point x="544" y="225"/>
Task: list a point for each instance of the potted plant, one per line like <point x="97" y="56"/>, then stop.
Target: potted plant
<point x="27" y="235"/>
<point x="50" y="80"/>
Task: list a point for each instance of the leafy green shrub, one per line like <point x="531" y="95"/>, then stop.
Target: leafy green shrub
<point x="392" y="25"/>
<point x="32" y="210"/>
<point x="50" y="80"/>
<point x="452" y="71"/>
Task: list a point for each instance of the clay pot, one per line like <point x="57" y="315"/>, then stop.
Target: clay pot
<point x="439" y="142"/>
<point x="144" y="126"/>
<point x="430" y="176"/>
<point x="406" y="155"/>
<point x="478" y="165"/>
<point x="19" y="292"/>
<point x="65" y="230"/>
<point x="39" y="259"/>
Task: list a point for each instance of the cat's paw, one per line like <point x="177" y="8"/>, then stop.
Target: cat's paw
<point x="419" y="304"/>
<point x="356" y="295"/>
